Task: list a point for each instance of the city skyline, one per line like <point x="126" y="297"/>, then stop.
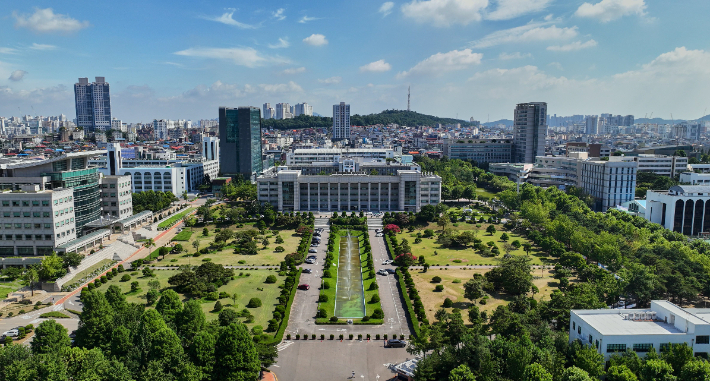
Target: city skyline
<point x="462" y="59"/>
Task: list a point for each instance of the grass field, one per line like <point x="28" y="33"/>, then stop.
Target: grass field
<point x="226" y="256"/>
<point x="170" y="221"/>
<point x="90" y="270"/>
<point x="183" y="236"/>
<point x="437" y="255"/>
<point x="484" y="193"/>
<point x="7" y="287"/>
<point x="433" y="300"/>
<point x="246" y="287"/>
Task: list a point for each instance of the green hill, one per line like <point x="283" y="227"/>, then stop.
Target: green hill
<point x="400" y="117"/>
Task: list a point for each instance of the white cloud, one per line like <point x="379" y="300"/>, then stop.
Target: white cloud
<point x="444" y="13"/>
<point x="36" y="46"/>
<point x="283" y="43"/>
<point x="513" y="56"/>
<point x="46" y="21"/>
<point x="306" y="19"/>
<point x="8" y="50"/>
<point x="526" y="33"/>
<point x="577" y="45"/>
<point x="316" y="40"/>
<point x="279" y="14"/>
<point x="549" y="17"/>
<point x="671" y="66"/>
<point x="248" y="57"/>
<point x="556" y="65"/>
<point x="331" y="80"/>
<point x="386" y="8"/>
<point x="509" y="9"/>
<point x="609" y="10"/>
<point x="227" y="19"/>
<point x="295" y="70"/>
<point x="439" y="63"/>
<point x="377" y="66"/>
<point x="17" y="75"/>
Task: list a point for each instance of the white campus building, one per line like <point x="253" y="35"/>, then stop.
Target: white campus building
<point x="683" y="208"/>
<point x="616" y="330"/>
<point x="328" y="155"/>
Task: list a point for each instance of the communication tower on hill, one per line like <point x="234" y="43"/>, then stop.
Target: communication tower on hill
<point x="409" y="93"/>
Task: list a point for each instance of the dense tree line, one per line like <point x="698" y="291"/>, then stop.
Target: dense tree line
<point x="152" y="200"/>
<point x="651" y="181"/>
<point x="120" y="341"/>
<point x="460" y="178"/>
<point x="400" y="117"/>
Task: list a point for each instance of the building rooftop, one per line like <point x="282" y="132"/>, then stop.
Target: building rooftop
<point x="613" y="323"/>
<point x="16" y="162"/>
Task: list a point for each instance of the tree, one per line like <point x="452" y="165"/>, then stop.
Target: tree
<point x="52" y="267"/>
<point x="152" y="296"/>
<point x="169" y="305"/>
<point x="473" y="289"/>
<point x="589" y="360"/>
<point x="504" y="237"/>
<point x="677" y="355"/>
<point x="536" y="372"/>
<point x="527" y="247"/>
<point x="461" y="373"/>
<point x="443" y="222"/>
<point x="491" y="230"/>
<point x="96" y="321"/>
<point x="657" y="370"/>
<point x="149" y="243"/>
<point x="238" y="359"/>
<point x="227" y="316"/>
<point x="30" y="277"/>
<point x="154" y="284"/>
<point x="575" y="374"/>
<point x="196" y="245"/>
<point x="695" y="370"/>
<point x="72" y="259"/>
<point x="50" y="337"/>
<point x="620" y="373"/>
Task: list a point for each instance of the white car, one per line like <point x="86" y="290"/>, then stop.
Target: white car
<point x="11" y="333"/>
<point x="383" y="272"/>
<point x="387" y="262"/>
<point x="379" y="235"/>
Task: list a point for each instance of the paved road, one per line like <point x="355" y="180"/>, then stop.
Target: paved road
<point x="32" y="317"/>
<point x="390" y="298"/>
<point x="335" y="360"/>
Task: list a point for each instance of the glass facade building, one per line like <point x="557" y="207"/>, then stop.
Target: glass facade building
<point x="241" y="143"/>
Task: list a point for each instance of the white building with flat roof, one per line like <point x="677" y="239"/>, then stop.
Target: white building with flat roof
<point x="314" y="155"/>
<point x="613" y="331"/>
<point x="682" y="208"/>
<point x="693" y="178"/>
<point x="658" y="164"/>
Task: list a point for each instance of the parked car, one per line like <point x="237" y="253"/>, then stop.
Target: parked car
<point x="314" y="245"/>
<point x="312" y="250"/>
<point x="393" y="343"/>
<point x="379" y="235"/>
<point x="383" y="272"/>
<point x="310" y="261"/>
<point x="316" y="235"/>
<point x="11" y="333"/>
<point x="307" y="271"/>
<point x="304" y="287"/>
<point x="390" y="271"/>
<point x="387" y="262"/>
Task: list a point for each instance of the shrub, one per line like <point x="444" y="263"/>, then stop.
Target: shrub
<point x="448" y="303"/>
<point x="322" y="298"/>
<point x="121" y="269"/>
<point x="90" y="286"/>
<point x="254" y="303"/>
<point x="53" y="314"/>
<point x="218" y="306"/>
<point x="326" y="274"/>
<point x="270" y="279"/>
<point x="375" y="298"/>
<point x="365" y="318"/>
<point x="439" y="288"/>
<point x="152" y="297"/>
<point x="333" y="319"/>
<point x="134" y="286"/>
<point x="125" y="278"/>
<point x="104" y="279"/>
<point x="436" y="279"/>
<point x="456" y="281"/>
<point x="322" y="313"/>
<point x="378" y="314"/>
<point x="214" y="295"/>
<point x="279" y="249"/>
<point x="373" y="286"/>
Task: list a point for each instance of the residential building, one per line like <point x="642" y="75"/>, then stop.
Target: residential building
<point x="341" y="121"/>
<point x="529" y="131"/>
<point x="289" y="189"/>
<point x="683" y="208"/>
<point x="614" y="331"/>
<point x="160" y="129"/>
<point x="283" y="111"/>
<point x="592" y="125"/>
<point x="240" y="141"/>
<point x="93" y="104"/>
<point x="479" y="150"/>
<point x="303" y="109"/>
<point x="116" y="199"/>
<point x="269" y="112"/>
<point x="36" y="220"/>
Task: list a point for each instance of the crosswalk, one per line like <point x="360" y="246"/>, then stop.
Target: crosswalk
<point x="283" y="345"/>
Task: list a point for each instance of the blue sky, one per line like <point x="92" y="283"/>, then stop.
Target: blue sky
<point x="465" y="58"/>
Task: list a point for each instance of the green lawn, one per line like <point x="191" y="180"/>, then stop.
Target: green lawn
<point x="468" y="256"/>
<point x="226" y="256"/>
<point x="90" y="270"/>
<point x="7" y="287"/>
<point x="485" y="193"/>
<point x="183" y="236"/>
<point x="246" y="287"/>
<point x="170" y="221"/>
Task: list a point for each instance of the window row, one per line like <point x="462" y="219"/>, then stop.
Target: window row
<point x="25" y="203"/>
<point x="28" y="226"/>
<point x="25" y="214"/>
<point x="26" y="237"/>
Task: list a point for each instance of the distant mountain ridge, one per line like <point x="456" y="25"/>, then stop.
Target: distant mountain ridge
<point x="507" y="122"/>
<point x="400" y="117"/>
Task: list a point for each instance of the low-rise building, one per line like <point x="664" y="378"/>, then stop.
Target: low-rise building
<point x="614" y="331"/>
<point x="116" y="199"/>
<point x="682" y="208"/>
<point x="307" y="156"/>
<point x="692" y="178"/>
<point x="479" y="150"/>
<point x="658" y="164"/>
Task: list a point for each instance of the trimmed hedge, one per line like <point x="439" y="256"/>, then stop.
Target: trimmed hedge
<point x="287" y="313"/>
<point x="400" y="272"/>
<point x="53" y="314"/>
<point x="174" y="219"/>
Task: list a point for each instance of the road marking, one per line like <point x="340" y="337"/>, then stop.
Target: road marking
<point x="284" y="345"/>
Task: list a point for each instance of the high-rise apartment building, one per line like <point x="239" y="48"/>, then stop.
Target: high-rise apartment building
<point x="240" y="141"/>
<point x="341" y="121"/>
<point x="283" y="111"/>
<point x="303" y="109"/>
<point x="530" y="130"/>
<point x="93" y="104"/>
<point x="160" y="129"/>
<point x="592" y="125"/>
<point x="268" y="111"/>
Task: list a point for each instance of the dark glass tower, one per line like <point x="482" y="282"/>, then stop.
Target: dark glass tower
<point x="240" y="141"/>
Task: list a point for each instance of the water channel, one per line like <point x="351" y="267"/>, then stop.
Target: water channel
<point x="349" y="291"/>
